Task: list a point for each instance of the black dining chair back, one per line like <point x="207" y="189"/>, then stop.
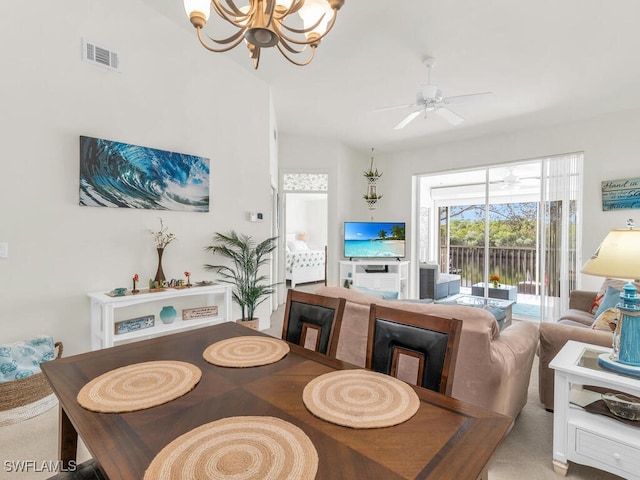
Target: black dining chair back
<point x="415" y="347"/>
<point x="313" y="321"/>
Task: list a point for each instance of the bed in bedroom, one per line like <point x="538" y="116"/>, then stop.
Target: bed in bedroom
<point x="304" y="265"/>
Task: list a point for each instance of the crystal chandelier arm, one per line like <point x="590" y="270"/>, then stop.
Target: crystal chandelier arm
<point x="300" y="64"/>
<point x="235" y="38"/>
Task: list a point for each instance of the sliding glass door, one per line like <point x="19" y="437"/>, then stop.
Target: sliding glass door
<point x="512" y="223"/>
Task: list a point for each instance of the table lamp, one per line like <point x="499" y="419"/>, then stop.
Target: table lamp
<point x="618" y="256"/>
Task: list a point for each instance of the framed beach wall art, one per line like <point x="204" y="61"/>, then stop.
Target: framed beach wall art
<point x="115" y="174"/>
<point x="621" y="194"/>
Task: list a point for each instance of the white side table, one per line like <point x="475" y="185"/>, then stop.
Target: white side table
<point x="587" y="438"/>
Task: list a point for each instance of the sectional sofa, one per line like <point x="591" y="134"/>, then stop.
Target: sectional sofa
<point x="493" y="367"/>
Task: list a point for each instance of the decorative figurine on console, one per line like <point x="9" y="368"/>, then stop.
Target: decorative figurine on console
<point x="135" y="280"/>
<point x="161" y="238"/>
<point x="156" y="285"/>
<point x="627" y="334"/>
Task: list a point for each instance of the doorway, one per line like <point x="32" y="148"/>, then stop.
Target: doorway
<point x="305" y="229"/>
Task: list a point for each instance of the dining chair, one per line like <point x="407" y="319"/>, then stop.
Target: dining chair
<point x="313" y="321"/>
<point x="414" y="347"/>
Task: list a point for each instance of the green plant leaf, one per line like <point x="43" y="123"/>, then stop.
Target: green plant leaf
<point x="246" y="257"/>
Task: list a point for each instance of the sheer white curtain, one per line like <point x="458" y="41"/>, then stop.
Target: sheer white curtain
<point x="559" y="238"/>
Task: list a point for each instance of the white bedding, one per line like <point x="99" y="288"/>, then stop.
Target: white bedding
<point x="310" y="258"/>
<point x="304" y="265"/>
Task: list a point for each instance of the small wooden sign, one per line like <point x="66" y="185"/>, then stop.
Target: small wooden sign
<point x="621" y="194"/>
<point x="199" y="312"/>
<point x="134" y="324"/>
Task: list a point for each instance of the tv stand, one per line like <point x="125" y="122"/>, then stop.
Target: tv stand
<point x="380" y="275"/>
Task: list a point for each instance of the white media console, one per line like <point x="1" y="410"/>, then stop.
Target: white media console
<point x="380" y="275"/>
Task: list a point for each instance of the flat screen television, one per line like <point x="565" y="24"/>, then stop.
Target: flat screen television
<point x="374" y="240"/>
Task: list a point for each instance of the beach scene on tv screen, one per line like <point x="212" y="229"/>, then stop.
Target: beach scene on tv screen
<point x="374" y="239"/>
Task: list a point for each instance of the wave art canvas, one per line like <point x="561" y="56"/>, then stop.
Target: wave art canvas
<point x="115" y="174"/>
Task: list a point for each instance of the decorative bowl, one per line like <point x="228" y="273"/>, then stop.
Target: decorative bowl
<point x="623" y="405"/>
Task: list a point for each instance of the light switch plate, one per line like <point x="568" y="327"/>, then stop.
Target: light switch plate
<point x="4" y="249"/>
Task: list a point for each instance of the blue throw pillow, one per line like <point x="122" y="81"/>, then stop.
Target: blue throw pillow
<point x="384" y="295"/>
<point x="23" y="359"/>
<point x="610" y="300"/>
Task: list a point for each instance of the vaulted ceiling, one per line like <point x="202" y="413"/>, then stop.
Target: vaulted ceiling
<point x="546" y="62"/>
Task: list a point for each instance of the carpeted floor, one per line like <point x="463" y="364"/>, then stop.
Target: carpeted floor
<point x="525" y="454"/>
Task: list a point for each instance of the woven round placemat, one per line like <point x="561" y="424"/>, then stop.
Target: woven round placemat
<point x="248" y="351"/>
<point x="360" y="399"/>
<point x="139" y="386"/>
<point x="238" y="448"/>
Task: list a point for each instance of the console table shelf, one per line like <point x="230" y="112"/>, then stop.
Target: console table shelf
<point x="380" y="275"/>
<point x="108" y="310"/>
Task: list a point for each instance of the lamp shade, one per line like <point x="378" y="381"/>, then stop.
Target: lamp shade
<point x="618" y="256"/>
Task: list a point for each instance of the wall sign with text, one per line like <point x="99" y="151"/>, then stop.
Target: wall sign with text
<point x="621" y="194"/>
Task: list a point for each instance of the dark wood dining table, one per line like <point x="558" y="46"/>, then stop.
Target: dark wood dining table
<point x="445" y="439"/>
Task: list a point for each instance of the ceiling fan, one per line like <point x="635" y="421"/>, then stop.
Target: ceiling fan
<point x="511" y="180"/>
<point x="430" y="99"/>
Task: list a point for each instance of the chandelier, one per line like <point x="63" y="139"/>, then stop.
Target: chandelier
<point x="290" y="25"/>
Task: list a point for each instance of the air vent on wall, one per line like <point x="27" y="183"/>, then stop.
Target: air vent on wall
<point x="96" y="55"/>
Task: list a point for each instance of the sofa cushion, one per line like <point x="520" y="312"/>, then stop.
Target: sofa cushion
<point x="577" y="317"/>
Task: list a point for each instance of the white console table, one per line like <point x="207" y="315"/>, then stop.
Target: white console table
<point x="381" y="275"/>
<point x="589" y="438"/>
<point x="106" y="311"/>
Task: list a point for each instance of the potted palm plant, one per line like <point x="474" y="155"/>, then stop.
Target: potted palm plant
<point x="246" y="256"/>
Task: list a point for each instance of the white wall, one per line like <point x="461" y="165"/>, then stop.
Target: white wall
<point x="307" y="214"/>
<point x="171" y="95"/>
<point x="610" y="143"/>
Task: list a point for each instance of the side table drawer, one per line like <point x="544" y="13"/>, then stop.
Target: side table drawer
<point x="622" y="457"/>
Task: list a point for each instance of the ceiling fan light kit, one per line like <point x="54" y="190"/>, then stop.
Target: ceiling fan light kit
<point x="294" y="27"/>
<point x="430" y="99"/>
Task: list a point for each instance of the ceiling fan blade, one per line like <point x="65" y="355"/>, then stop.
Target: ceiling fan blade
<point x="448" y="115"/>
<point x="394" y="107"/>
<point x="472" y="97"/>
<point x="407" y="120"/>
